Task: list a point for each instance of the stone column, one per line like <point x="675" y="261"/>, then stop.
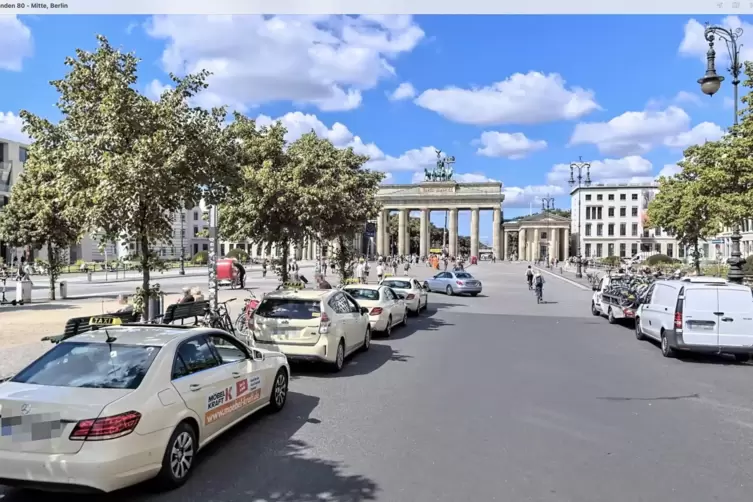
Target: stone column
<point x="496" y="231"/>
<point x="475" y="236"/>
<point x="453" y="231"/>
<point x="555" y="252"/>
<point x="380" y="233"/>
<point x="424" y="236"/>
<point x="536" y="245"/>
<point x="505" y="236"/>
<point x="566" y="253"/>
<point x="312" y="249"/>
<point x="386" y="234"/>
<point x="522" y="245"/>
<point x="401" y="231"/>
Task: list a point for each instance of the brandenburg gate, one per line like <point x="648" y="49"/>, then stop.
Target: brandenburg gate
<point x="438" y="192"/>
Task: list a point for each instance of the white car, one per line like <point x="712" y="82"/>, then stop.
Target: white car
<point x="386" y="307"/>
<point x="114" y="407"/>
<point x="323" y="325"/>
<point x="416" y="297"/>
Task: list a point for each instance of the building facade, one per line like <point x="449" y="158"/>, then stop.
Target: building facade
<point x="611" y="220"/>
<point x="12" y="159"/>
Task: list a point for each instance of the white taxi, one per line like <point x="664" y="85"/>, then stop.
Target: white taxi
<point x="110" y="408"/>
<point x="322" y="325"/>
<point x="386" y="307"/>
<point x="416" y="297"/>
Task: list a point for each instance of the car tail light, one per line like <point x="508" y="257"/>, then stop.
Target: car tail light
<point x="101" y="429"/>
<point x="410" y="297"/>
<point x="627" y="312"/>
<point x="679" y="307"/>
<point x="459" y="283"/>
<point x="324" y="324"/>
<point x="678" y="320"/>
<point x="376" y="311"/>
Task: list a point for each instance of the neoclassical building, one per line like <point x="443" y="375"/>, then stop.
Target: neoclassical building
<point x="539" y="236"/>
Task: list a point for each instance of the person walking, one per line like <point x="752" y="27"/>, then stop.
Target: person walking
<point x="380" y="272"/>
<point x="241" y="271"/>
<point x="264" y="265"/>
<point x="529" y="277"/>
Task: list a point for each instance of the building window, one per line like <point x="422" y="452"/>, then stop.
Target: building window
<point x="204" y="247"/>
<point x="657" y="247"/>
<point x="634" y="196"/>
<point x="623" y="249"/>
<point x="588" y="212"/>
<point x="599" y="197"/>
<point x="588" y="196"/>
<point x="634" y="249"/>
<point x="623" y="212"/>
<point x="598" y="213"/>
<point x="195" y="216"/>
<point x="670" y="250"/>
<point x="588" y="250"/>
<point x="680" y="252"/>
<point x="610" y="230"/>
<point x="634" y="230"/>
<point x="623" y="229"/>
<point x="599" y="229"/>
<point x="588" y="229"/>
<point x="182" y="216"/>
<point x="195" y="231"/>
<point x="622" y="196"/>
<point x="543" y="236"/>
<point x="183" y="233"/>
<point x="610" y="196"/>
<point x="645" y="233"/>
<point x="634" y="211"/>
<point x="610" y="249"/>
<point x="657" y="232"/>
<point x="598" y="250"/>
<point x="23" y="154"/>
<point x="610" y="212"/>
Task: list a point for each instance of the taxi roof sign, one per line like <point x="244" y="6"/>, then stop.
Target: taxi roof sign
<point x="292" y="285"/>
<point x="105" y="321"/>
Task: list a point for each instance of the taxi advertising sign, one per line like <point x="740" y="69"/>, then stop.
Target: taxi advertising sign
<point x="105" y="321"/>
<point x="232" y="398"/>
<point x="352" y="281"/>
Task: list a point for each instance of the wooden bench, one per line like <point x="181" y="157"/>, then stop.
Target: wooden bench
<point x="78" y="325"/>
<point x="182" y="311"/>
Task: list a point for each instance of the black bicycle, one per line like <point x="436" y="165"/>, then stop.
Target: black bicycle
<point x="539" y="294"/>
<point x="219" y="319"/>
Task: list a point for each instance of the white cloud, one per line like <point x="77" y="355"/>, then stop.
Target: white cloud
<point x="326" y="61"/>
<point x="687" y="97"/>
<point x="695" y="45"/>
<point x="403" y="91"/>
<point x="10" y="128"/>
<point x="155" y="88"/>
<point x="459" y="177"/>
<point x="416" y="159"/>
<point x="16" y="43"/>
<point x="524" y="197"/>
<point x="513" y="146"/>
<point x="532" y="98"/>
<point x="388" y="179"/>
<point x="669" y="170"/>
<point x="636" y="133"/>
<point x="632" y="169"/>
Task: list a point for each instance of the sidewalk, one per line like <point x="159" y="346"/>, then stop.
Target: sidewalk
<point x="568" y="272"/>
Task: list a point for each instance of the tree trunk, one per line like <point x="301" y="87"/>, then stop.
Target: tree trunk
<point x="145" y="276"/>
<point x="697" y="258"/>
<point x="342" y="259"/>
<point x="52" y="268"/>
<point x="284" y="260"/>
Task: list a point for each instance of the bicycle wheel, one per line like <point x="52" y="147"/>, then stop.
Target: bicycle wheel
<point x="240" y="322"/>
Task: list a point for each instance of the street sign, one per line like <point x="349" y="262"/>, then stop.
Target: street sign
<point x="717" y="241"/>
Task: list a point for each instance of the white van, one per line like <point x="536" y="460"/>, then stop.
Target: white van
<point x="698" y="314"/>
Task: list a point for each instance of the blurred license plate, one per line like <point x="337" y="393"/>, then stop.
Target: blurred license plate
<point x="701" y="326"/>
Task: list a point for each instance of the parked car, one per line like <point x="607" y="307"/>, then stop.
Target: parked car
<point x="386" y="307"/>
<point x="416" y="297"/>
<point x="454" y="283"/>
<point x="698" y="314"/>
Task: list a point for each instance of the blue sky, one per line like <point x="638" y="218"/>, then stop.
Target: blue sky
<point x="513" y="98"/>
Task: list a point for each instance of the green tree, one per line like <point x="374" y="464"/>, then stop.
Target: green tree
<point x="414" y="226"/>
<point x="130" y="162"/>
<point x="39" y="215"/>
<point x="683" y="208"/>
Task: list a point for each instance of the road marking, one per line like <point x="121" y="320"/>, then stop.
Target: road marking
<point x="581" y="286"/>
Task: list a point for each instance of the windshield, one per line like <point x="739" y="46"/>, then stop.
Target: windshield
<point x="397" y="284"/>
<point x="92" y="365"/>
<point x="363" y="294"/>
<point x="463" y="275"/>
<point x="289" y="308"/>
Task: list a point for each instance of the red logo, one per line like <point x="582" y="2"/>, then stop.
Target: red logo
<point x="241" y="387"/>
<point x="228" y="394"/>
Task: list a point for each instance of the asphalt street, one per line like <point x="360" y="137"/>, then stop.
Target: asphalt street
<point x="492" y="398"/>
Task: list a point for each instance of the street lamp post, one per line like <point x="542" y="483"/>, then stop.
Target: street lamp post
<point x="580" y="181"/>
<point x="710" y="84"/>
<point x="547" y="204"/>
<point x="182" y="270"/>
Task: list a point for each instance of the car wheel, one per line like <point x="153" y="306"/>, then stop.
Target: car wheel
<point x="638" y="331"/>
<point x="426" y="287"/>
<point x="449" y="291"/>
<point x="610" y="316"/>
<point x="279" y="390"/>
<point x="426" y="305"/>
<point x="177" y="463"/>
<point x="366" y="339"/>
<point x="339" y="357"/>
<point x="405" y="318"/>
<point x="474" y="294"/>
<point x="666" y="350"/>
<point x="594" y="312"/>
<point x="742" y="358"/>
<point x="388" y="329"/>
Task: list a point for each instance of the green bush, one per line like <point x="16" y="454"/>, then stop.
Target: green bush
<point x="238" y="254"/>
<point x="611" y="261"/>
<point x="659" y="259"/>
<point x="200" y="258"/>
<point x="748" y="265"/>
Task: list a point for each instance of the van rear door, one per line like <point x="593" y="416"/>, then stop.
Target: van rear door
<point x="699" y="319"/>
<point x="736" y="319"/>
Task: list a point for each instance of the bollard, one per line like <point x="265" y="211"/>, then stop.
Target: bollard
<point x="89" y="276"/>
<point x="63" y="290"/>
<point x="23" y="292"/>
<point x="156" y="305"/>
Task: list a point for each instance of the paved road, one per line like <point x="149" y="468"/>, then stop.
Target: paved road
<point x="494" y="398"/>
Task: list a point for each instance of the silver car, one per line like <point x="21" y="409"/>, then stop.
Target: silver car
<point x="454" y="283"/>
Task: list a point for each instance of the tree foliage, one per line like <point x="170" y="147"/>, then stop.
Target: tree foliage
<point x="39" y="216"/>
<point x="129" y="162"/>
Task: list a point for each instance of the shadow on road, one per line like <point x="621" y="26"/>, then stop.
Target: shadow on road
<point x="427" y="321"/>
<point x="40" y="306"/>
<point x="360" y="363"/>
<point x="258" y="460"/>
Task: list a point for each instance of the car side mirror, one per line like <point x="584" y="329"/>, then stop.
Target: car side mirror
<point x="364" y="310"/>
<point x="257" y="356"/>
<point x="595" y="287"/>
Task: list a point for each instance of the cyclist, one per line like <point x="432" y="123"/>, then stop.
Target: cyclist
<point x="538" y="281"/>
<point x="529" y="277"/>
